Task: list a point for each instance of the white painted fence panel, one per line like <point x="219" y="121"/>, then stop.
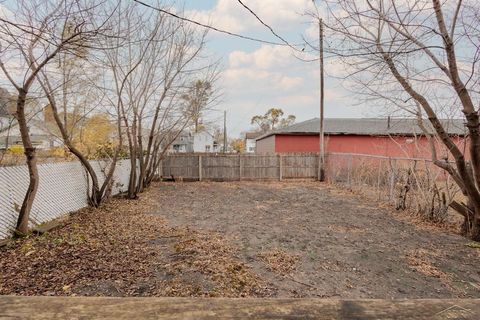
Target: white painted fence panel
<point x="62" y="189"/>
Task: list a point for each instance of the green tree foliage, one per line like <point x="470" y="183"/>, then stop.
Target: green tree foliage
<point x="272" y="119"/>
<point x="238" y="145"/>
<point x="196" y="101"/>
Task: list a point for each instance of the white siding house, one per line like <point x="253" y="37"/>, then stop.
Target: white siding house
<point x="203" y="142"/>
<point x="199" y="142"/>
<point x="251" y="142"/>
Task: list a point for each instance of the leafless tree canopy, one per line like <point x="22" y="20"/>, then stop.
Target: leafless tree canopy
<point x="419" y="57"/>
<point x="118" y="59"/>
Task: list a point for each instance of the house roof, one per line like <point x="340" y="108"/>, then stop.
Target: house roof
<point x="253" y="134"/>
<point x="367" y="126"/>
<point x="5" y="100"/>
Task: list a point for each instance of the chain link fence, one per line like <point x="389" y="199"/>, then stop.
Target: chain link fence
<point x="62" y="189"/>
<point x="410" y="184"/>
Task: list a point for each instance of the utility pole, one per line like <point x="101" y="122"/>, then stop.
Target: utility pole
<point x="321" y="158"/>
<point x="225" y="131"/>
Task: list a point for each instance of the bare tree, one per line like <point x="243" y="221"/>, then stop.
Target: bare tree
<point x="73" y="94"/>
<point x="96" y="192"/>
<point x="421" y="53"/>
<point x="28" y="44"/>
<point x="160" y="57"/>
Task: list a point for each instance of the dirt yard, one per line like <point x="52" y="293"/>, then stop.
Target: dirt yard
<point x="312" y="240"/>
<point x="292" y="239"/>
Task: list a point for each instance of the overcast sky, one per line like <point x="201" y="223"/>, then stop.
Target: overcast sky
<point x="257" y="76"/>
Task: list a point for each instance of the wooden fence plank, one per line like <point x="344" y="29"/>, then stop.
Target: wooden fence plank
<point x="226" y="167"/>
<point x="51" y="308"/>
<point x="280" y="164"/>
<point x="240" y="168"/>
<point x="199" y="168"/>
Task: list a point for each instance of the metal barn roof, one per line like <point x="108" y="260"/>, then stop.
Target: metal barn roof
<point x="367" y="126"/>
<point x="253" y="134"/>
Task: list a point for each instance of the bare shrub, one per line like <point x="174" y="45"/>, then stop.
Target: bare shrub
<point x="413" y="185"/>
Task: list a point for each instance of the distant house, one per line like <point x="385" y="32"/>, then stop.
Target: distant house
<point x="39" y="135"/>
<point x="199" y="142"/>
<point x="386" y="137"/>
<point x="250" y="140"/>
<point x="182" y="143"/>
<point x="10" y="133"/>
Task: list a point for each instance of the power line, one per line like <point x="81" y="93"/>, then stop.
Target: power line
<point x="211" y="27"/>
<point x="267" y="26"/>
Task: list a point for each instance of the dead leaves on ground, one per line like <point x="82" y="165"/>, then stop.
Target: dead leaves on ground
<point x="94" y="246"/>
<point x="279" y="261"/>
<point x="421" y="260"/>
<point x="121" y="250"/>
<point x="208" y="255"/>
<point x="347" y="229"/>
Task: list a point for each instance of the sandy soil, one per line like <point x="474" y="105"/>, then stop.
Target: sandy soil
<point x="310" y="240"/>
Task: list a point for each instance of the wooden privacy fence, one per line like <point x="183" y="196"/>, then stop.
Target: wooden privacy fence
<point x="407" y="183"/>
<point x="227" y="167"/>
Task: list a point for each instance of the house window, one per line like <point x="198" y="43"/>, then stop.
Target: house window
<point x="207" y="148"/>
<point x="251" y="149"/>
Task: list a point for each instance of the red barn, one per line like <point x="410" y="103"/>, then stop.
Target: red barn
<point x="385" y="137"/>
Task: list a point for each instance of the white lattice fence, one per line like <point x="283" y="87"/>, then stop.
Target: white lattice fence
<point x="62" y="189"/>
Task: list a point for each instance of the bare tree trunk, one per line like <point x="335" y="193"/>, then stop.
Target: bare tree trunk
<point x="30" y="154"/>
<point x="142" y="158"/>
<point x="132" y="183"/>
<point x="95" y="193"/>
<point x="465" y="175"/>
<point x="472" y="124"/>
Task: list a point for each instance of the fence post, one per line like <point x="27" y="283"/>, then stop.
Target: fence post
<point x="349" y="166"/>
<point x="319" y="167"/>
<point x="392" y="178"/>
<point x="199" y="168"/>
<point x="240" y="173"/>
<point x="160" y="170"/>
<point x="280" y="167"/>
<point x="379" y="176"/>
<point x="325" y="166"/>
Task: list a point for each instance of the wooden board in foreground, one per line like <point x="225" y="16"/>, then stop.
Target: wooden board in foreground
<point x="51" y="308"/>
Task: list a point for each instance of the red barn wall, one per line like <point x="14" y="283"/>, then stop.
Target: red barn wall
<point x="376" y="145"/>
<point x="296" y="143"/>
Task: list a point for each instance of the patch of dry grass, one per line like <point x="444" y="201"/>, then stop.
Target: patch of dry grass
<point x="209" y="254"/>
<point x="334" y="266"/>
<point x="346" y="229"/>
<point x="279" y="261"/>
<point x="419" y="261"/>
